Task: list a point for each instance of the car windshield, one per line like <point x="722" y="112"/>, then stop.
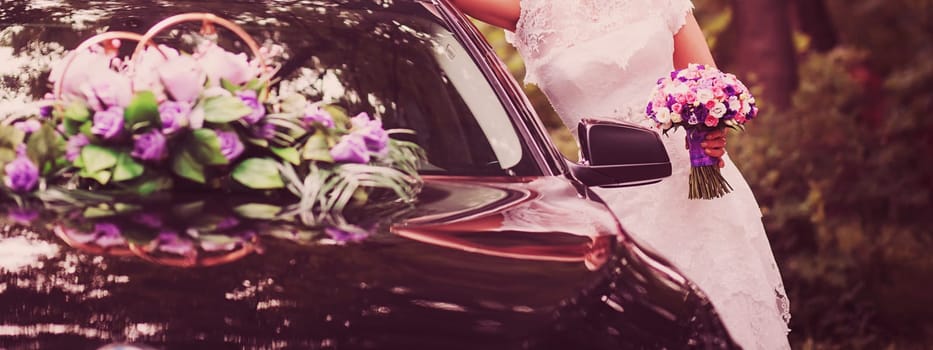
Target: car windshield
<point x="396" y="60"/>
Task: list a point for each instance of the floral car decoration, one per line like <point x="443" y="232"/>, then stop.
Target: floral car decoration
<point x="701" y="99"/>
<point x="212" y="119"/>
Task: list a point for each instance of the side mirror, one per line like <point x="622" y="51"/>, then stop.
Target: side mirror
<point x="618" y="155"/>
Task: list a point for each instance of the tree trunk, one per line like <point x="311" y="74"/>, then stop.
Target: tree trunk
<point x="815" y="21"/>
<point x="758" y="47"/>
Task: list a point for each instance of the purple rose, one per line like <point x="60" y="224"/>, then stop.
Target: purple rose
<point x="28" y="126"/>
<point x="174" y="115"/>
<point x="149" y="146"/>
<point x="23" y="216"/>
<point x="21" y="174"/>
<point x="149" y="220"/>
<point x="346" y="234"/>
<point x="107" y="235"/>
<point x="315" y="114"/>
<point x="230" y="145"/>
<point x="182" y="78"/>
<point x="108" y="123"/>
<point x="350" y="149"/>
<point x="372" y="132"/>
<point x="170" y="242"/>
<point x="264" y="131"/>
<point x="75" y="145"/>
<point x="46" y="110"/>
<point x="249" y="98"/>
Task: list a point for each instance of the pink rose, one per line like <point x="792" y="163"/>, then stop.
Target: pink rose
<point x="691" y="97"/>
<point x="677" y="108"/>
<point x="222" y="64"/>
<point x="680" y="98"/>
<point x="710" y="104"/>
<point x="718" y="92"/>
<point x="711" y="121"/>
<point x="740" y="118"/>
<point x="182" y="78"/>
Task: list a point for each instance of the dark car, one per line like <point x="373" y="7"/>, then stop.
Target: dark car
<point x="505" y="248"/>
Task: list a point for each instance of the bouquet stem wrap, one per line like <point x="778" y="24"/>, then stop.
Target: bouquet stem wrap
<point x="706" y="182"/>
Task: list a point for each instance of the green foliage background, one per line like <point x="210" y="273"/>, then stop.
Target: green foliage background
<point x="843" y="176"/>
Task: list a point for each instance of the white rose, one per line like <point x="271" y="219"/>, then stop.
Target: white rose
<point x="718" y="110"/>
<point x="704" y="95"/>
<point x="663" y="115"/>
<point x="735" y="104"/>
<point x="675" y="117"/>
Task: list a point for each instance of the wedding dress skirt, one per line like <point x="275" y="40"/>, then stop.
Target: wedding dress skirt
<point x="601" y="59"/>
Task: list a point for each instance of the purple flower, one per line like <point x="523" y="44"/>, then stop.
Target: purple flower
<point x="346" y="234"/>
<point x="169" y="241"/>
<point x="182" y="78"/>
<point x="315" y="114"/>
<point x="108" y="123"/>
<point x="372" y="132"/>
<point x="149" y="220"/>
<point x="149" y="146"/>
<point x="75" y="145"/>
<point x="46" y="110"/>
<point x="230" y="145"/>
<point x="264" y="131"/>
<point x="21" y="174"/>
<point x="350" y="149"/>
<point x="107" y="235"/>
<point x="28" y="126"/>
<point x="249" y="98"/>
<point x="23" y="216"/>
<point x="174" y="115"/>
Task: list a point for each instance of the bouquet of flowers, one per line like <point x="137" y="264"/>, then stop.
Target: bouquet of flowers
<point x="701" y="99"/>
<point x="208" y="118"/>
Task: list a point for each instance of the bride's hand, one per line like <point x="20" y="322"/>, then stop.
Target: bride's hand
<point x="715" y="145"/>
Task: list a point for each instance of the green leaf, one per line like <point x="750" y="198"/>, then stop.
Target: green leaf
<point x="97" y="158"/>
<point x="204" y="145"/>
<point x="45" y="146"/>
<point x="258" y="211"/>
<point x="186" y="166"/>
<point x="188" y="210"/>
<point x="316" y="148"/>
<point x="11" y="137"/>
<point x="102" y="176"/>
<point x="154" y="185"/>
<point x="289" y="154"/>
<point x="7" y="155"/>
<point x="227" y="85"/>
<point x="143" y="108"/>
<point x="338" y="114"/>
<point x="225" y="109"/>
<point x="77" y="112"/>
<point x="256" y="84"/>
<point x="258" y="173"/>
<point x="72" y="127"/>
<point x="127" y="168"/>
<point x="98" y="212"/>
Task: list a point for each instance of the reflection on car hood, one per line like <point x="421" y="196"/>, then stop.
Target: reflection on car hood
<point x="475" y="264"/>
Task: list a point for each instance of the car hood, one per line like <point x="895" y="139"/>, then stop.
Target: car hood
<point x="475" y="263"/>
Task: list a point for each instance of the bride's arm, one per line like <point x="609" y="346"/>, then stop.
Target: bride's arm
<point x="500" y="13"/>
<point x="690" y="45"/>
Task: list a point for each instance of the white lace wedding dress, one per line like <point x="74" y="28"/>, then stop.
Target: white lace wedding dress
<point x="601" y="58"/>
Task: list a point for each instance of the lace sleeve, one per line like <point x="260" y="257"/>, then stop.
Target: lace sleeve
<point x="677" y="14"/>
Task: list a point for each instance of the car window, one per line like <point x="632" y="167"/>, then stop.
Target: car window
<point x="392" y="59"/>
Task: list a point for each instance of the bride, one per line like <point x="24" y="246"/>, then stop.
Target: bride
<point x="601" y="58"/>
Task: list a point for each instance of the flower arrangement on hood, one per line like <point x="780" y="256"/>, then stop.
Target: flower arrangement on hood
<point x="211" y="118"/>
